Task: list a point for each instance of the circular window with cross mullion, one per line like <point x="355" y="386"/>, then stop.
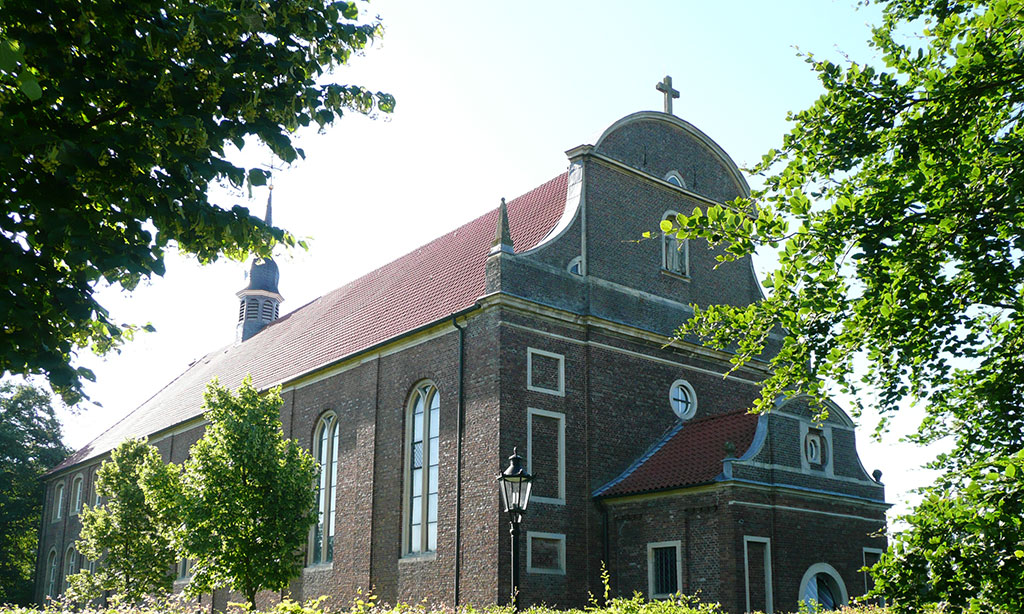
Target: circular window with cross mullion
<point x="683" y="399"/>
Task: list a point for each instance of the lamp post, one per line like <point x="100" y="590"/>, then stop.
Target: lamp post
<point x="515" y="495"/>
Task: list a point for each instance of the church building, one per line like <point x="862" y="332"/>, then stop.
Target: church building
<point x="542" y="326"/>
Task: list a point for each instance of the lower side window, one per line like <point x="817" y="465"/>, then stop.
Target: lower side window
<point x="663" y="569"/>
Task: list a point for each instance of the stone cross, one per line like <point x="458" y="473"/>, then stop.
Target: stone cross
<point x="665" y="87"/>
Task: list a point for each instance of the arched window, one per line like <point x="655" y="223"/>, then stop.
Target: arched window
<point x="675" y="253"/>
<point x="70" y="563"/>
<point x="675" y="179"/>
<point x="422" y="456"/>
<point x="576" y="265"/>
<point x="51" y="573"/>
<point x="267" y="310"/>
<point x="822" y="588"/>
<point x="58" y="501"/>
<point x="76" y="494"/>
<point x="325" y="449"/>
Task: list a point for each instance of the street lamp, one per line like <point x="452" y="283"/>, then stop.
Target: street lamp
<point x="515" y="495"/>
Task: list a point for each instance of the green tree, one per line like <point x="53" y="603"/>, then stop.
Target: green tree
<point x="895" y="208"/>
<point x="245" y="501"/>
<point x="30" y="444"/>
<point x="115" y="117"/>
<point x="126" y="535"/>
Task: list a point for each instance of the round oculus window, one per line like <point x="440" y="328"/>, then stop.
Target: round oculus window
<point x="683" y="399"/>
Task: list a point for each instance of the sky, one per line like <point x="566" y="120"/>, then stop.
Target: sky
<point x="490" y="95"/>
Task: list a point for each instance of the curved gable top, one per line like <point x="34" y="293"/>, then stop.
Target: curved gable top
<point x="619" y="142"/>
<point x="800" y="404"/>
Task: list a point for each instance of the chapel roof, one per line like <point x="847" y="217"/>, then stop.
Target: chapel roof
<point x="429" y="284"/>
<point x="690" y="453"/>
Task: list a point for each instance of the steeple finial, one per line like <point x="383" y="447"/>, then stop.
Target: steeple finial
<point x="502" y="235"/>
<point x="269" y="218"/>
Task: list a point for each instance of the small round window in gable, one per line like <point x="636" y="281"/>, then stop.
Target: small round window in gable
<point x="683" y="399"/>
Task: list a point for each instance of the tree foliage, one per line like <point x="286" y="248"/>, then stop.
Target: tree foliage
<point x="115" y="117"/>
<point x="30" y="444"/>
<point x="245" y="498"/>
<point x="126" y="535"/>
<point x="895" y="206"/>
<point x="964" y="544"/>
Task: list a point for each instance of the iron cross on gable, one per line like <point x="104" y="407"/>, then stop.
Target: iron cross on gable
<point x="665" y="87"/>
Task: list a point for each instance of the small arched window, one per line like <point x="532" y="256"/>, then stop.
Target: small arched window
<point x="675" y="252"/>
<point x="58" y="501"/>
<point x="422" y="459"/>
<point x="70" y="563"/>
<point x="675" y="179"/>
<point x="325" y="442"/>
<point x="76" y="494"/>
<point x="268" y="310"/>
<point x="576" y="265"/>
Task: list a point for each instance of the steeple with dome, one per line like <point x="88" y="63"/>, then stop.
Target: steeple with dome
<point x="260" y="301"/>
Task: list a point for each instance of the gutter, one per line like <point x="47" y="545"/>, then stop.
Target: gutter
<point x="458" y="461"/>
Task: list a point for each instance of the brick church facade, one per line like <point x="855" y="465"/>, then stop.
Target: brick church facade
<point x="539" y="325"/>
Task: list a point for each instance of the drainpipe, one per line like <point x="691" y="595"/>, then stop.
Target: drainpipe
<point x="458" y="462"/>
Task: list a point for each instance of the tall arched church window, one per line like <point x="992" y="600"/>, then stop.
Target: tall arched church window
<point x="325" y="449"/>
<point x="675" y="253"/>
<point x="70" y="563"/>
<point x="51" y="573"/>
<point x="58" y="501"/>
<point x="422" y="456"/>
<point x="76" y="494"/>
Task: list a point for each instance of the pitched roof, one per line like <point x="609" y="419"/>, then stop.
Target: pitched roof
<point x="426" y="285"/>
<point x="690" y="453"/>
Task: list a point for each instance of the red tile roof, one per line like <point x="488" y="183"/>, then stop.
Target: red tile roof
<point x="689" y="454"/>
<point x="424" y="286"/>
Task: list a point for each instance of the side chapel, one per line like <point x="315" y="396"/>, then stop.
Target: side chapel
<point x="538" y="325"/>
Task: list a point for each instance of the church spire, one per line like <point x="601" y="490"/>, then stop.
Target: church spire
<point x="269" y="217"/>
<point x="502" y="235"/>
<point x="259" y="301"/>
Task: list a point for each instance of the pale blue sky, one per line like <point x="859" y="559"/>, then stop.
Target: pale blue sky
<point x="490" y="96"/>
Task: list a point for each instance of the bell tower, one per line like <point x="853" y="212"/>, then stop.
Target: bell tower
<point x="259" y="301"/>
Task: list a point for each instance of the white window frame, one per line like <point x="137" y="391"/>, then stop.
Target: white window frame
<point x="530" y="413"/>
<point x="560" y="391"/>
<point x="423" y="550"/>
<point x="769" y="597"/>
<point x="77" y="484"/>
<point x="328" y="419"/>
<point x="58" y="501"/>
<point x="577" y="261"/>
<point x="681" y="383"/>
<point x="560" y="537"/>
<point x="651" y="546"/>
<point x="824" y="568"/>
<point x="683" y="251"/>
